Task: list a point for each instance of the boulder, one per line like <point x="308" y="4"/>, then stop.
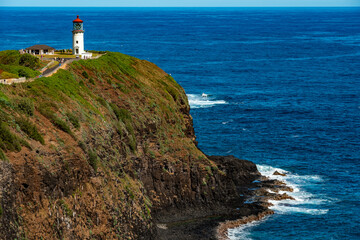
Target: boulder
<point x="279" y="173"/>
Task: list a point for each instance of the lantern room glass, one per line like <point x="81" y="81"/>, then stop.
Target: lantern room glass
<point x="78" y="26"/>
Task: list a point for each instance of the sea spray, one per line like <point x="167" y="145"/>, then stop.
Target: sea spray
<point x="198" y="101"/>
<point x="303" y="199"/>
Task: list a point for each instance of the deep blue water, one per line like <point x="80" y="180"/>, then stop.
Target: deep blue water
<point x="283" y="85"/>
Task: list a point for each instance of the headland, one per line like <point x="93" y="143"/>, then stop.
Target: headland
<point x="106" y="149"/>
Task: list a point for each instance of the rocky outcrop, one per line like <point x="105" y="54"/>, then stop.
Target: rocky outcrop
<point x="9" y="218"/>
<point x="279" y="173"/>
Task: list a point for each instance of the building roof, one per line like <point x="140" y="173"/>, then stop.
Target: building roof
<point x="40" y="47"/>
<point x="78" y="20"/>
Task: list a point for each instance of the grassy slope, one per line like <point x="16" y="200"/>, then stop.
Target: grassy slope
<point x="14" y="65"/>
<point x="83" y="134"/>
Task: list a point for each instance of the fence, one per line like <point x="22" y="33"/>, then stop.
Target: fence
<point x="13" y="80"/>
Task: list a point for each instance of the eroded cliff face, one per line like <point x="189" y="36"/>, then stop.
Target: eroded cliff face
<point x="104" y="150"/>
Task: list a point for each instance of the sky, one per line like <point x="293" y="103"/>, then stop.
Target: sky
<point x="181" y="3"/>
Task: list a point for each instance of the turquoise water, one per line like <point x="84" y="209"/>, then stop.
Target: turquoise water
<point x="283" y="89"/>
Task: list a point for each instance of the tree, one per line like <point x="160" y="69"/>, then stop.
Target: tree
<point x="29" y="61"/>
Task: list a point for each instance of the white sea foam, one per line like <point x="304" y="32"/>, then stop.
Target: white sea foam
<point x="282" y="208"/>
<point x="304" y="203"/>
<point x="197" y="101"/>
<point x="302" y="198"/>
<point x="243" y="232"/>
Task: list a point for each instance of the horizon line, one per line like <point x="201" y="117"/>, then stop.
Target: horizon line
<point x="348" y="6"/>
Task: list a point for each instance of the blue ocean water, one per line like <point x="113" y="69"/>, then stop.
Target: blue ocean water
<point x="283" y="89"/>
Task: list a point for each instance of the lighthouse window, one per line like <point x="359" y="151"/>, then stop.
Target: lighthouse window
<point x="77" y="41"/>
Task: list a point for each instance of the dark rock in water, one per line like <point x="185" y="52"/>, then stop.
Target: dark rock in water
<point x="226" y="196"/>
<point x="279" y="173"/>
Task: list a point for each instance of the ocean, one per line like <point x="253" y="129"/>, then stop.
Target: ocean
<point x="283" y="89"/>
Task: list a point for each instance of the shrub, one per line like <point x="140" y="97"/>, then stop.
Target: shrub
<point x="29" y="61"/>
<point x="101" y="101"/>
<point x="208" y="169"/>
<point x="9" y="57"/>
<point x="23" y="73"/>
<point x="25" y="105"/>
<point x="82" y="145"/>
<point x="3" y="116"/>
<point x="8" y="141"/>
<point x="122" y="87"/>
<point x="85" y="74"/>
<point x="61" y="125"/>
<point x="118" y="128"/>
<point x="14" y="69"/>
<point x="93" y="160"/>
<point x="91" y="80"/>
<point x="7" y="75"/>
<point x="2" y="157"/>
<point x="74" y="120"/>
<point x="49" y="114"/>
<point x="132" y="143"/>
<point x="30" y="129"/>
<point x="121" y="113"/>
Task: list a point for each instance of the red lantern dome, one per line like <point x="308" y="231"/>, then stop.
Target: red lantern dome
<point x="78" y="20"/>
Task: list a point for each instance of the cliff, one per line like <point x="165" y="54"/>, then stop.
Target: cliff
<point x="106" y="150"/>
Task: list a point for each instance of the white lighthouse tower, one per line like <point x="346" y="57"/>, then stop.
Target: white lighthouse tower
<point x="78" y="39"/>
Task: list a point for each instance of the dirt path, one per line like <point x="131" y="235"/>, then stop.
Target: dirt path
<point x="51" y="71"/>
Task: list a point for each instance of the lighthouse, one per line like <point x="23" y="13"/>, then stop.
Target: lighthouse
<point x="78" y="39"/>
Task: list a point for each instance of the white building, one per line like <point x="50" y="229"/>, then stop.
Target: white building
<point x="78" y="39"/>
<point x="39" y="50"/>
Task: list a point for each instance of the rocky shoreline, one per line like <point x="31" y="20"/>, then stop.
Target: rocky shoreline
<point x="213" y="222"/>
<point x="268" y="189"/>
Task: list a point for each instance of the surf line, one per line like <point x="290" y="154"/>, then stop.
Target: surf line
<point x="264" y="190"/>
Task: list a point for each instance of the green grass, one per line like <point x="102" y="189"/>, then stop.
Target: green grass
<point x="25" y="105"/>
<point x="120" y="113"/>
<point x="17" y="65"/>
<point x="102" y="101"/>
<point x="55" y="63"/>
<point x="74" y="120"/>
<point x="59" y="123"/>
<point x="62" y="87"/>
<point x="8" y="141"/>
<point x="3" y="157"/>
<point x="93" y="160"/>
<point x="85" y="74"/>
<point x="61" y="56"/>
<point x="30" y="129"/>
<point x="19" y="70"/>
<point x="7" y="75"/>
<point x="111" y="63"/>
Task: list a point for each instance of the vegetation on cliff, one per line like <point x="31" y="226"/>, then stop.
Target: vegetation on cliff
<point x="14" y="65"/>
<point x="95" y="150"/>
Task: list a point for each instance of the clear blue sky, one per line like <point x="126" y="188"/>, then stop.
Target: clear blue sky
<point x="180" y="3"/>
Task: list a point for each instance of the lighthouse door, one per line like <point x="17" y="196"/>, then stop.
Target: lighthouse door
<point x="77" y="51"/>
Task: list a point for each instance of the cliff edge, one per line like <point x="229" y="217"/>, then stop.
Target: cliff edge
<point x="106" y="150"/>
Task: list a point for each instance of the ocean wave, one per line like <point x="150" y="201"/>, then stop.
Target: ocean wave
<point x="282" y="208"/>
<point x="302" y="198"/>
<point x="197" y="101"/>
<point x="304" y="203"/>
<point x="243" y="232"/>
